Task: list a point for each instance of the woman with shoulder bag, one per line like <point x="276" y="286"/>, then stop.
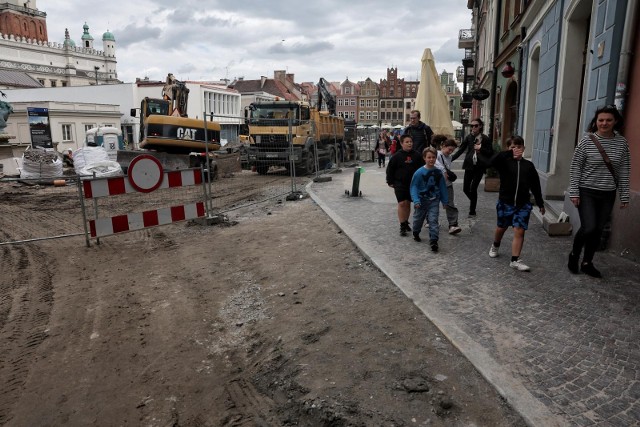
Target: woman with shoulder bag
<point x="600" y="166"/>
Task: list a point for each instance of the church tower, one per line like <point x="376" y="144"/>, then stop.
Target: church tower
<point x="87" y="40"/>
<point x="109" y="44"/>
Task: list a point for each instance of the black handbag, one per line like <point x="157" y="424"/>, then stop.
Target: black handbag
<point x="451" y="175"/>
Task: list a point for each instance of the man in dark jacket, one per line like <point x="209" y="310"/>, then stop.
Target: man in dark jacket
<point x="518" y="178"/>
<point x="420" y="133"/>
<point x="479" y="151"/>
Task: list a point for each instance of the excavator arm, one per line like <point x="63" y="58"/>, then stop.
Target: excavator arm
<point x="324" y="94"/>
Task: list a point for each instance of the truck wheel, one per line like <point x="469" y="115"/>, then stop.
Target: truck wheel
<point x="310" y="163"/>
<point x="262" y="169"/>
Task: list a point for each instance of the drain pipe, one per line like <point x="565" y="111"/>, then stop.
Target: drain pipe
<point x="630" y="23"/>
<point x="494" y="77"/>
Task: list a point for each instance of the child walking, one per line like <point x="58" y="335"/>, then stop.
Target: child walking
<point x="428" y="189"/>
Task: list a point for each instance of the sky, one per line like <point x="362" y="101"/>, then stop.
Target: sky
<point x="225" y="39"/>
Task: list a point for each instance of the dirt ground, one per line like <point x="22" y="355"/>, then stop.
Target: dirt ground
<point x="275" y="319"/>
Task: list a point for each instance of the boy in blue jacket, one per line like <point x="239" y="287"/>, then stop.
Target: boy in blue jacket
<point x="428" y="188"/>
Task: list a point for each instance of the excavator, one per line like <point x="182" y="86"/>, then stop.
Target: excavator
<point x="165" y="126"/>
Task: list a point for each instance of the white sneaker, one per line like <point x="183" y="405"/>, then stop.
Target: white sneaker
<point x="519" y="265"/>
<point x="493" y="251"/>
<point x="454" y="229"/>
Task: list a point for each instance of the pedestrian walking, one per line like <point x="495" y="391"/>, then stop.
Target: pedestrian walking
<point x="478" y="152"/>
<point x="428" y="190"/>
<point x="382" y="148"/>
<point x="443" y="162"/>
<point x="600" y="166"/>
<point x="518" y="179"/>
<point x="420" y="132"/>
<point x="400" y="170"/>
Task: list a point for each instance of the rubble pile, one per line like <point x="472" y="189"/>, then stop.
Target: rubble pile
<point x="40" y="156"/>
<point x="39" y="163"/>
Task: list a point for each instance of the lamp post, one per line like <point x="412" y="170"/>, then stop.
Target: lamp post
<point x="96" y="68"/>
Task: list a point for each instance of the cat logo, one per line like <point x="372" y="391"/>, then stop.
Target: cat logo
<point x="189" y="134"/>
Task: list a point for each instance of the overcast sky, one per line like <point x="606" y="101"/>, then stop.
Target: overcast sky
<point x="216" y="39"/>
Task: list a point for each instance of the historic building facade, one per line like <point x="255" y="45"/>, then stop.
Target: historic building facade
<point x="25" y="47"/>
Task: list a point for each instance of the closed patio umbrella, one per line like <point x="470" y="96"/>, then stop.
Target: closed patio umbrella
<point x="431" y="100"/>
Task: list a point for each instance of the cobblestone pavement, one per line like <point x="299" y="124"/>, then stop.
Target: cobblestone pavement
<point x="563" y="349"/>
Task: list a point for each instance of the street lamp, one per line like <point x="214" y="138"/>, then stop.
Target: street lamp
<point x="96" y="68"/>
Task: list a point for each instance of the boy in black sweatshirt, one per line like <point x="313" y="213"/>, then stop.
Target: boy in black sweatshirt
<point x="518" y="178"/>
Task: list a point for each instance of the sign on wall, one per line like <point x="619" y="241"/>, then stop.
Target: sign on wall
<point x="39" y="127"/>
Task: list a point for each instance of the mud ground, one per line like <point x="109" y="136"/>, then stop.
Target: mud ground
<point x="274" y="319"/>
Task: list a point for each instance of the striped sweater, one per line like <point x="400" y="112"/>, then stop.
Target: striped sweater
<point x="588" y="169"/>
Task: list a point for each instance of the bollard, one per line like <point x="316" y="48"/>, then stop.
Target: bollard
<point x="355" y="188"/>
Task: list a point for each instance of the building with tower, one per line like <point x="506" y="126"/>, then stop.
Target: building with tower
<point x="25" y="48"/>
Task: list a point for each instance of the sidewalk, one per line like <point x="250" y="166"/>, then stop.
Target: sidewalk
<point x="562" y="349"/>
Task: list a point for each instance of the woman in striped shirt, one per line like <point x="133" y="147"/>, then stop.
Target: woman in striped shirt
<point x="593" y="186"/>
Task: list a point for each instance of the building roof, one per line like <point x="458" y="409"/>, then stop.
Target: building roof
<point x="108" y="35"/>
<point x="271" y="86"/>
<point x="9" y="78"/>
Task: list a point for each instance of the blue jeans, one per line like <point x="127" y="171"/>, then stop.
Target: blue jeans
<point x="430" y="210"/>
<point x="594" y="209"/>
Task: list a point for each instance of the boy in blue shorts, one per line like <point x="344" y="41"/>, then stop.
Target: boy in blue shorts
<point x="518" y="179"/>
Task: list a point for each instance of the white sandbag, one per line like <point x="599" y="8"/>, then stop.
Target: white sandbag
<point x="86" y="156"/>
<point x="104" y="169"/>
<point x="38" y="164"/>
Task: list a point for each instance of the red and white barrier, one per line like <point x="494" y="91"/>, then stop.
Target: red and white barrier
<point x="104" y="187"/>
<point x="137" y="221"/>
<point x="145" y="175"/>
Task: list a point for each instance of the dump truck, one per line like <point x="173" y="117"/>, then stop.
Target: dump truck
<point x="293" y="133"/>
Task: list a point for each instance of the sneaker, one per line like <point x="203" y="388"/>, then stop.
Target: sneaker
<point x="416" y="237"/>
<point x="519" y="265"/>
<point x="589" y="269"/>
<point x="434" y="245"/>
<point x="454" y="229"/>
<point x="493" y="251"/>
<point x="573" y="263"/>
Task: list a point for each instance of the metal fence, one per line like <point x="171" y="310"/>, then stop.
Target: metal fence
<point x="36" y="209"/>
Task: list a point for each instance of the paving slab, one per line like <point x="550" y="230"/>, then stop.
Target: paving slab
<point x="562" y="349"/>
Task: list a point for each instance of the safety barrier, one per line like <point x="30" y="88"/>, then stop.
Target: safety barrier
<point x="143" y="184"/>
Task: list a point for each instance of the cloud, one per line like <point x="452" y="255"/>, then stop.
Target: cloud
<point x="299" y="48"/>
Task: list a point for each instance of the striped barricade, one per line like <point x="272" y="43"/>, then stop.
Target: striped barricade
<point x="105" y="187"/>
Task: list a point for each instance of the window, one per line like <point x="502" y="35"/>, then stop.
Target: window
<point x="41" y="81"/>
<point x="375" y="115"/>
<point x="407" y="105"/>
<point x="362" y="103"/>
<point x="391" y="92"/>
<point x="66" y="132"/>
<point x="53" y="83"/>
<point x="361" y="115"/>
<point x="347" y="90"/>
<point x="383" y="115"/>
<point x="353" y="102"/>
<point x="368" y="115"/>
<point x="375" y="102"/>
<point x="352" y="114"/>
<point x="64" y="84"/>
<point x="88" y="126"/>
<point x="368" y="103"/>
<point x="340" y="102"/>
